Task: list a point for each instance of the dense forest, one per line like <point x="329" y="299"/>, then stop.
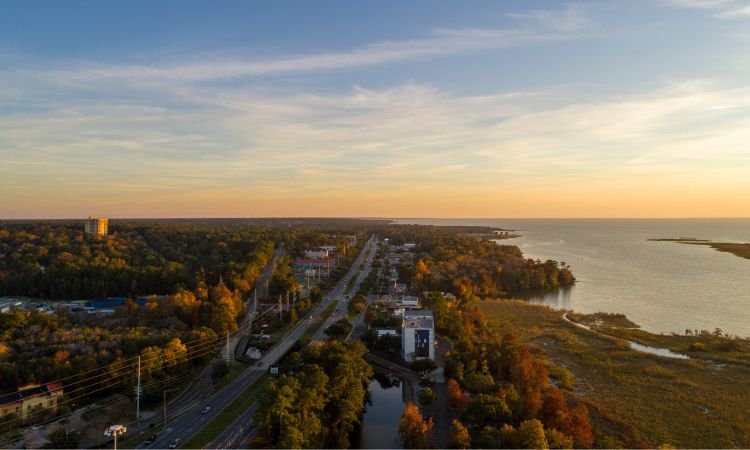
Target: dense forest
<point x="501" y="391"/>
<point x="203" y="272"/>
<point x="450" y="260"/>
<point x="321" y="402"/>
<point x="57" y="261"/>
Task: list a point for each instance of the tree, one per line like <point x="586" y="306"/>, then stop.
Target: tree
<point x="339" y="329"/>
<point x="460" y="437"/>
<point x="487" y="409"/>
<point x="557" y="439"/>
<point x="531" y="435"/>
<point x="457" y="398"/>
<point x="423" y="366"/>
<point x="62" y="438"/>
<point x="414" y="430"/>
<point x="580" y="427"/>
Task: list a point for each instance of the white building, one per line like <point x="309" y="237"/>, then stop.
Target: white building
<point x="418" y="335"/>
<point x="316" y="254"/>
<point x="386" y="332"/>
<point x="409" y="301"/>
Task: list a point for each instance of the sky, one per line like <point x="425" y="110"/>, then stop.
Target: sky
<point x="501" y="109"/>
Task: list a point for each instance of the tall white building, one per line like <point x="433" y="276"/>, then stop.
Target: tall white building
<point x="96" y="225"/>
<point x="418" y="335"/>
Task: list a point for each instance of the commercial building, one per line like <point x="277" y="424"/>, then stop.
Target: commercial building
<point x="418" y="335"/>
<point x="98" y="226"/>
<point x="316" y="254"/>
<point x="31" y="398"/>
<point x="302" y="264"/>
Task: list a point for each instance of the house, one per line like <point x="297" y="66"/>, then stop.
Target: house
<point x="418" y="335"/>
<point x="30" y="398"/>
<point x="409" y="301"/>
<point x="386" y="332"/>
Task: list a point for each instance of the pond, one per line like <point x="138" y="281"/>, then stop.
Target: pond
<point x="380" y="421"/>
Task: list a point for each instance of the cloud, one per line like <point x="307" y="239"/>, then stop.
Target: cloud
<point x="737" y="13"/>
<point x="574" y="17"/>
<point x="723" y="9"/>
<point x="541" y="26"/>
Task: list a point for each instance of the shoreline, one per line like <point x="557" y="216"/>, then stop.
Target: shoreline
<point x="741" y="250"/>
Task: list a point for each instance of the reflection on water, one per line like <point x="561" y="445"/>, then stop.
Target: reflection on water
<point x="657" y="351"/>
<point x="558" y="299"/>
<point x="380" y="421"/>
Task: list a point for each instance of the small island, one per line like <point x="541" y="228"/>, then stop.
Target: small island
<point x="741" y="250"/>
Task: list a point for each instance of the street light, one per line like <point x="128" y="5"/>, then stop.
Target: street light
<point x="115" y="430"/>
<point x="165" y="403"/>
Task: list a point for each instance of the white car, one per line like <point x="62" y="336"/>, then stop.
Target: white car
<point x="206" y="410"/>
<point x="175" y="443"/>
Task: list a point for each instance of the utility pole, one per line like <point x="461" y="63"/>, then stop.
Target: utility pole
<point x="137" y="393"/>
<point x="228" y="356"/>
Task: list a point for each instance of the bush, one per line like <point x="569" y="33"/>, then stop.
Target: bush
<point x="423" y="366"/>
<point x="427" y="396"/>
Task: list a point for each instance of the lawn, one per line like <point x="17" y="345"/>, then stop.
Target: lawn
<point x="637" y="398"/>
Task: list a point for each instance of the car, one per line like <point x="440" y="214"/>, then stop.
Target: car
<point x="175" y="443"/>
<point x="260" y="363"/>
<point x="37" y="427"/>
<point x="206" y="410"/>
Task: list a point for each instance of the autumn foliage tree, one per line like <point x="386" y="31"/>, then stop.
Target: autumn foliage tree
<point x="457" y="398"/>
<point x="413" y="429"/>
<point x="460" y="437"/>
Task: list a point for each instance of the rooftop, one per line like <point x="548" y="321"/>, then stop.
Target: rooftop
<point x="418" y="319"/>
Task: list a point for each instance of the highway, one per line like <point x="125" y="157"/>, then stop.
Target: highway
<point x="240" y="430"/>
<point x="190" y="421"/>
<point x="194" y="393"/>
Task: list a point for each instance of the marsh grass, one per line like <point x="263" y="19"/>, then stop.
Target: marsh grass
<point x="638" y="399"/>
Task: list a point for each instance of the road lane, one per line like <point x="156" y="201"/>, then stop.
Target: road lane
<point x="191" y="421"/>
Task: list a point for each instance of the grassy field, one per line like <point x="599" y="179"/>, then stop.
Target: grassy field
<point x="228" y="415"/>
<point x="642" y="400"/>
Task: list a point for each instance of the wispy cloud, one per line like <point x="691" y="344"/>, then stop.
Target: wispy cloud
<point x="573" y="17"/>
<point x="540" y="26"/>
<point x="722" y="9"/>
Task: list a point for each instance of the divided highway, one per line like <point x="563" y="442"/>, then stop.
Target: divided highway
<point x="239" y="430"/>
<point x="192" y="419"/>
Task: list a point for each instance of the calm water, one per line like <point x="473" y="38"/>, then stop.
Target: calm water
<point x="662" y="286"/>
<point x="380" y="422"/>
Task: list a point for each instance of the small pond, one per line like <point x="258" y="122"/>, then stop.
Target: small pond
<point x="380" y="422"/>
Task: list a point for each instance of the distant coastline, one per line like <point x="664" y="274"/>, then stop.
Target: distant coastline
<point x="741" y="250"/>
